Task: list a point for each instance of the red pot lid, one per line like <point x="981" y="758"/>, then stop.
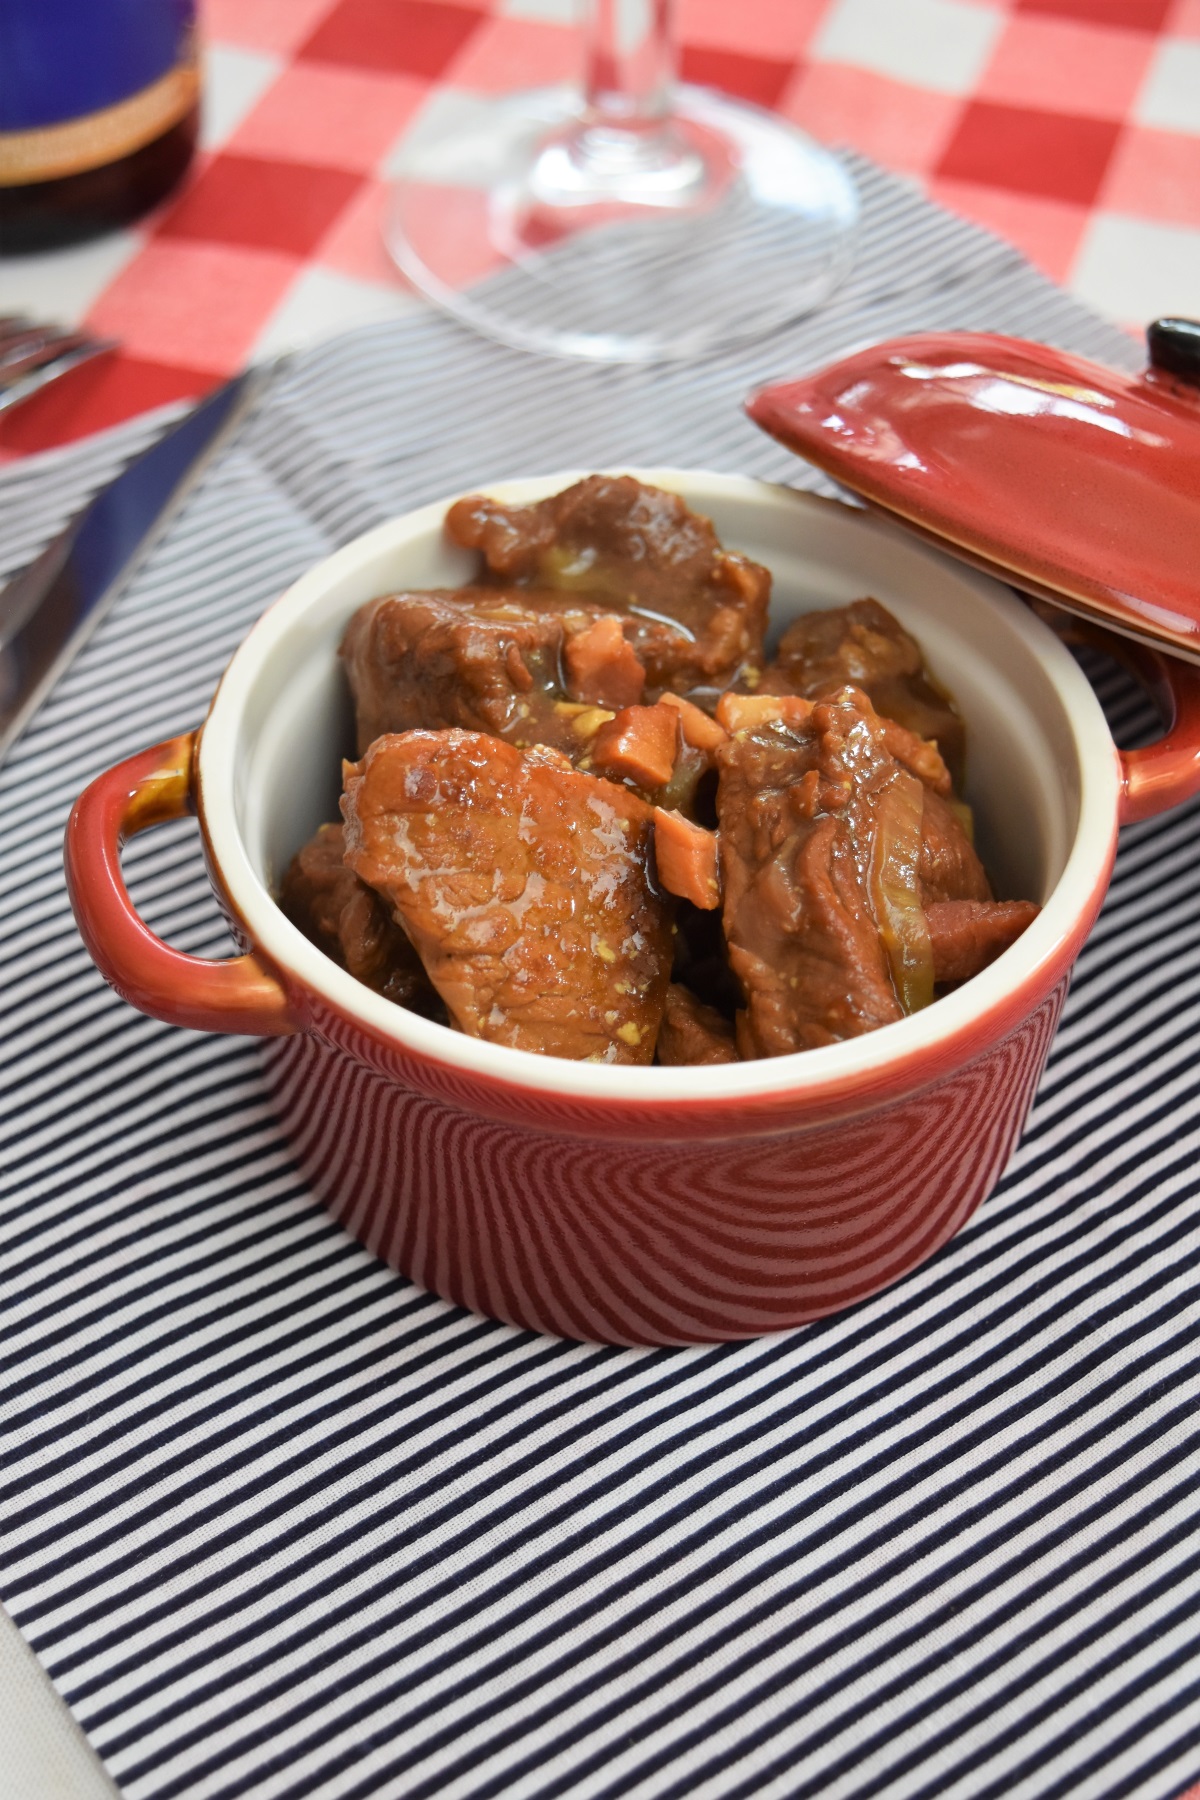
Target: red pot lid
<point x="1075" y="483"/>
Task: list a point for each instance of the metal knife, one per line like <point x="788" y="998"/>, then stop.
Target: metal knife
<point x="51" y="607"/>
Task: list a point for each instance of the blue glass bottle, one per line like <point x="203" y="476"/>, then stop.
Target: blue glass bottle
<point x="99" y="107"/>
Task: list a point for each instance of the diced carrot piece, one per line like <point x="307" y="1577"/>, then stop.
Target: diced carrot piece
<point x="700" y="730"/>
<point x="640" y="744"/>
<point x="742" y="712"/>
<point x="686" y="855"/>
<point x="601" y="667"/>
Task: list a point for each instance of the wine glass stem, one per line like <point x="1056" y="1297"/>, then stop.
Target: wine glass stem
<point x="630" y="65"/>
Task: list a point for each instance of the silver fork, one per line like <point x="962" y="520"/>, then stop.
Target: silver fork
<point x="32" y="355"/>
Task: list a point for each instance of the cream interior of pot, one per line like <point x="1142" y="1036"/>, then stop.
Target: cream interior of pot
<point x="1033" y="724"/>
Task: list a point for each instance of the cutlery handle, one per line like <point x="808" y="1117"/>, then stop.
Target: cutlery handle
<point x="240" y="995"/>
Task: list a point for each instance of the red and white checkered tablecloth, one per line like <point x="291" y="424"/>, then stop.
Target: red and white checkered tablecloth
<point x="1071" y="127"/>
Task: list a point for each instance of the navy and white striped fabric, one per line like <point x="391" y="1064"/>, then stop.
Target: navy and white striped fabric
<point x="280" y="1524"/>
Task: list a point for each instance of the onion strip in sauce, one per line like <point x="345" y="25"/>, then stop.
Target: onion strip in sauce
<point x="894" y="889"/>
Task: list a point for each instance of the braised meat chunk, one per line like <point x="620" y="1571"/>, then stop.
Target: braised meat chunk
<point x="949" y="867"/>
<point x="863" y="644"/>
<point x="967" y="935"/>
<point x="851" y="886"/>
<point x="698" y="612"/>
<point x="475" y="658"/>
<point x="342" y="917"/>
<point x="525" y="887"/>
<point x="693" y="1034"/>
<point x="820" y="846"/>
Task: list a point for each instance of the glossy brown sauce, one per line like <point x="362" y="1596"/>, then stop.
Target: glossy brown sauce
<point x="590" y="819"/>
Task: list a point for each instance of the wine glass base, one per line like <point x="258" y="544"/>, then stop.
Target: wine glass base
<point x="708" y="231"/>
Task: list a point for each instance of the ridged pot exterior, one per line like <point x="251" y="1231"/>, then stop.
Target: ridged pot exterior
<point x="666" y="1242"/>
<point x="656" y="1205"/>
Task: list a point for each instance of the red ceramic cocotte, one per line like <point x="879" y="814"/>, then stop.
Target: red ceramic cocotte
<point x="630" y="1205"/>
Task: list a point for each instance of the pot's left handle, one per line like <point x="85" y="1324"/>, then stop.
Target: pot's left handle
<point x="240" y="995"/>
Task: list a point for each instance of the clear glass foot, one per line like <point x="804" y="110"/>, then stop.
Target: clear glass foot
<point x="557" y="228"/>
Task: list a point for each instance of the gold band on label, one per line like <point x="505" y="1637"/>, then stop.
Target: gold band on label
<point x="51" y="151"/>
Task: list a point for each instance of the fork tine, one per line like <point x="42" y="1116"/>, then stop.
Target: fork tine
<point x="14" y="326"/>
<point x="84" y="351"/>
<point x="34" y="350"/>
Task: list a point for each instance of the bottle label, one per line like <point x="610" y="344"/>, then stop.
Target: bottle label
<point x="86" y="82"/>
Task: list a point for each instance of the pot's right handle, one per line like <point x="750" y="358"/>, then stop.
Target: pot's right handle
<point x="238" y="995"/>
<point x="1167" y="772"/>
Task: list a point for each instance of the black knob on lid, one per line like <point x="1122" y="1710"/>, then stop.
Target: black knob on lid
<point x="1175" y="348"/>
